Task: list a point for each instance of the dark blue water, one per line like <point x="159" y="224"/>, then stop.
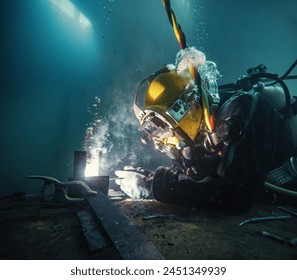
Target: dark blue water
<point x="57" y="57"/>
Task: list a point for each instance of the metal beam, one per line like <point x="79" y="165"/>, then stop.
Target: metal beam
<point x="127" y="238"/>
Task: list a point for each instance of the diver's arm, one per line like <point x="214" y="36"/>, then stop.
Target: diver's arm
<point x="171" y="186"/>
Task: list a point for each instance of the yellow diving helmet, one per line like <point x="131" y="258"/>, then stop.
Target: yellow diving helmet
<point x="171" y="112"/>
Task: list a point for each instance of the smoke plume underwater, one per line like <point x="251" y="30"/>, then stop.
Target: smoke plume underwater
<point x="116" y="139"/>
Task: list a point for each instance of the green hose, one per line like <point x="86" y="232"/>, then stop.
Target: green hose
<point x="280" y="190"/>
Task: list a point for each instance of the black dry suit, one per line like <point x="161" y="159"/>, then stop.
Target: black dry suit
<point x="249" y="135"/>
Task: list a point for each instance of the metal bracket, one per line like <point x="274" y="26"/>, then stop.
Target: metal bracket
<point x="61" y="189"/>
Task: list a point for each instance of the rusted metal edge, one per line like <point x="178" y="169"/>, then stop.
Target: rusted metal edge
<point x="94" y="233"/>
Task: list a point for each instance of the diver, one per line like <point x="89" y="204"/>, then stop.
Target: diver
<point x="223" y="141"/>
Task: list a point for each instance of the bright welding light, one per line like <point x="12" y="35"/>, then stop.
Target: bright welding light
<point x="69" y="9"/>
<point x="92" y="166"/>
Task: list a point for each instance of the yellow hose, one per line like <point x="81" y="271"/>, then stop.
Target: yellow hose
<point x="193" y="72"/>
<point x="206" y="111"/>
<point x="175" y="28"/>
<point x="180" y="36"/>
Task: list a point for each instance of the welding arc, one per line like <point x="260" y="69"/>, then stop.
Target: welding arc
<point x="179" y="34"/>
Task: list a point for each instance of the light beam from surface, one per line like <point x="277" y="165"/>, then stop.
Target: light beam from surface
<point x="70" y="10"/>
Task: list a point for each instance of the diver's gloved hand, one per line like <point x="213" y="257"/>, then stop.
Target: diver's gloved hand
<point x="135" y="182"/>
